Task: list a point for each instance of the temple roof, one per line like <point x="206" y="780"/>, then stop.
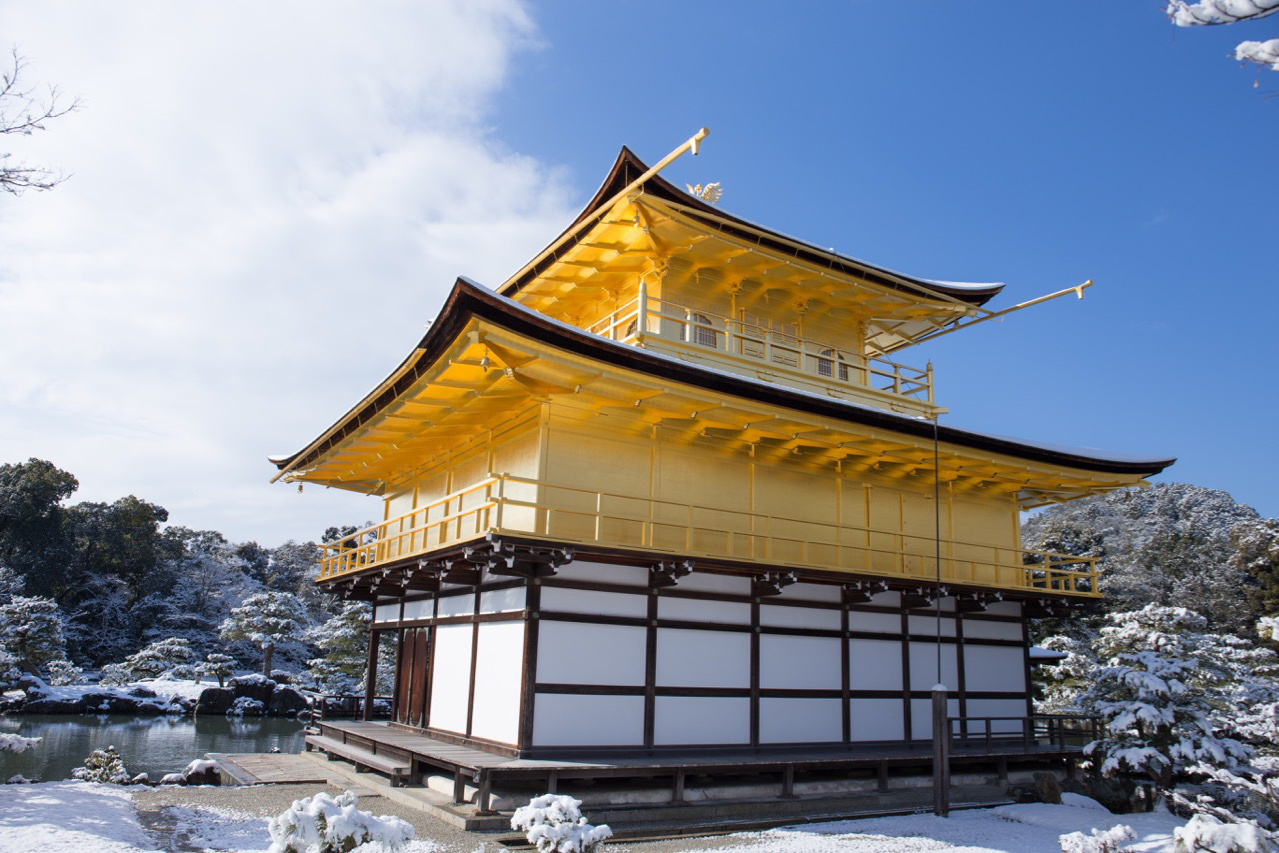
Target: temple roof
<point x="628" y="168"/>
<point x="470" y="302"/>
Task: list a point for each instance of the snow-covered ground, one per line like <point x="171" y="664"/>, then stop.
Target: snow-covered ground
<point x="77" y="816"/>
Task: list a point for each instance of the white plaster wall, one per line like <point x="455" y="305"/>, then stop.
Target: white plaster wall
<point x="994" y="668"/>
<point x="457" y="605"/>
<point x="594" y="603"/>
<point x="803" y="662"/>
<point x="502" y="600"/>
<point x="877" y="719"/>
<point x="879" y="623"/>
<point x="921" y="716"/>
<point x="892" y="598"/>
<point x="421" y="609"/>
<point x="568" y="720"/>
<point x="604" y="573"/>
<point x="926" y="626"/>
<point x="811" y="592"/>
<point x="923" y="666"/>
<point x="800" y="720"/>
<point x="977" y="629"/>
<point x="582" y="653"/>
<point x="697" y="610"/>
<point x="799" y="617"/>
<point x="498" y="667"/>
<point x="451" y="680"/>
<point x="687" y="658"/>
<point x="705" y="582"/>
<point x="387" y="612"/>
<point x="702" y="720"/>
<point x="875" y="664"/>
<point x="997" y="708"/>
<point x="1004" y="608"/>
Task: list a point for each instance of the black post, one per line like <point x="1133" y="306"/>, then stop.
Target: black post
<point x="370" y="677"/>
<point x="941" y="753"/>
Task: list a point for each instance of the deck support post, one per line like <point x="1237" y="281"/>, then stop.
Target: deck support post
<point x="941" y="753"/>
<point x="882" y="780"/>
<point x="459" y="787"/>
<point x="788" y="781"/>
<point x="483" y="781"/>
<point x="1003" y="769"/>
<point x="677" y="795"/>
<point x="552" y="781"/>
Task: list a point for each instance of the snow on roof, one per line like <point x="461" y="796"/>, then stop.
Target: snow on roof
<point x="1041" y="654"/>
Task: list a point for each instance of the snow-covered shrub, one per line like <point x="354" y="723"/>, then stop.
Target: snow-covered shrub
<point x="1205" y="832"/>
<point x="218" y="666"/>
<point x="10" y="672"/>
<point x="554" y="823"/>
<point x="328" y="824"/>
<point x="1098" y="841"/>
<point x="17" y="743"/>
<point x="103" y="765"/>
<point x="114" y="675"/>
<point x="32" y="631"/>
<point x="63" y="672"/>
<point x="159" y="658"/>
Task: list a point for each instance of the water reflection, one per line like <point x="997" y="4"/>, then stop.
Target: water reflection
<point x="153" y="745"/>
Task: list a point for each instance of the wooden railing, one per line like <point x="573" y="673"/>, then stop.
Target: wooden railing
<point x="827" y="362"/>
<point x="519" y="506"/>
<point x="1044" y="731"/>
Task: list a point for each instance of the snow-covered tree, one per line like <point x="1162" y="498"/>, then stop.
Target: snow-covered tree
<point x="31" y="628"/>
<point x="63" y="672"/>
<point x="218" y="666"/>
<point x="1207" y="13"/>
<point x="1065" y="682"/>
<point x="10" y="671"/>
<point x="266" y="619"/>
<point x="171" y="655"/>
<point x="1158" y="689"/>
<point x="344" y="640"/>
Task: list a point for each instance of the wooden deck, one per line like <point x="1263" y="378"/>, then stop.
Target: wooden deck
<point x="481" y="769"/>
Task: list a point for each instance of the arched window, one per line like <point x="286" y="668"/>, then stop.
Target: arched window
<point x="702" y="332"/>
<point x="826" y="364"/>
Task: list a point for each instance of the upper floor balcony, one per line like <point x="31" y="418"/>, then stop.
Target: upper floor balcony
<point x="786" y="356"/>
<point x="521" y="507"/>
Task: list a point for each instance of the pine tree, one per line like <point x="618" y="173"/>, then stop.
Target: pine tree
<point x="344" y="639"/>
<point x="1160" y="689"/>
<point x="218" y="666"/>
<point x="170" y="656"/>
<point x="103" y="765"/>
<point x="32" y="631"/>
<point x="266" y="620"/>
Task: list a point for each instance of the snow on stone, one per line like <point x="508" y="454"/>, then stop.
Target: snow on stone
<point x="1097" y="841"/>
<point x="17" y="743"/>
<point x="1205" y="832"/>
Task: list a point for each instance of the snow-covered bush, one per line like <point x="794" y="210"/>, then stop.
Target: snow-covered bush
<point x="218" y="666"/>
<point x="114" y="675"/>
<point x="555" y="824"/>
<point x="10" y="672"/>
<point x="160" y="658"/>
<point x="328" y="824"/>
<point x="63" y="672"/>
<point x="245" y="706"/>
<point x="103" y="765"/>
<point x="17" y="743"/>
<point x="1098" y="841"/>
<point x="1205" y="832"/>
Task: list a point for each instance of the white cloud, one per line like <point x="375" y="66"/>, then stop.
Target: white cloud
<point x="268" y="203"/>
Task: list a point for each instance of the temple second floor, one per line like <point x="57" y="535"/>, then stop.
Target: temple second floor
<point x="503" y="422"/>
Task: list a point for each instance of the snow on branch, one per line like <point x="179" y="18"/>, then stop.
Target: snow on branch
<point x="1260" y="52"/>
<point x="1206" y="13"/>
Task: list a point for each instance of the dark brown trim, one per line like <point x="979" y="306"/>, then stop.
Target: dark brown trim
<point x="754" y="673"/>
<point x="845" y="678"/>
<point x="528" y="700"/>
<point x="475" y="659"/>
<point x="961" y="674"/>
<point x="650" y="668"/>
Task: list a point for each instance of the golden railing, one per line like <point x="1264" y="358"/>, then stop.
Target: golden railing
<point x="648" y="316"/>
<point x="518" y="506"/>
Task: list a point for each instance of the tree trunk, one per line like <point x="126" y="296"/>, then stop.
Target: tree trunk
<point x="267" y="651"/>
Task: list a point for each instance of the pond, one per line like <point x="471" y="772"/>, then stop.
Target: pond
<point x="152" y="745"/>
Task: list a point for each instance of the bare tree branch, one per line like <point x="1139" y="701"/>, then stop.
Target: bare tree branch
<point x="1206" y="13"/>
<point x="23" y="111"/>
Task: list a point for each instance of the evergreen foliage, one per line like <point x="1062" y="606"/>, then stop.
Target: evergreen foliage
<point x="103" y="765"/>
<point x="344" y="639"/>
<point x="31" y="628"/>
<point x="218" y="666"/>
<point x="170" y="656"/>
<point x="266" y="619"/>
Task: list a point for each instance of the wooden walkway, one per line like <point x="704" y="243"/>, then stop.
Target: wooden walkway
<point x="469" y="765"/>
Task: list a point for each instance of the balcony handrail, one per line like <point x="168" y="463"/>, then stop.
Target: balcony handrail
<point x="389" y="542"/>
<point x="776" y="349"/>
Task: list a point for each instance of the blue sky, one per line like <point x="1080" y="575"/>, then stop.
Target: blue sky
<point x="238" y="190"/>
